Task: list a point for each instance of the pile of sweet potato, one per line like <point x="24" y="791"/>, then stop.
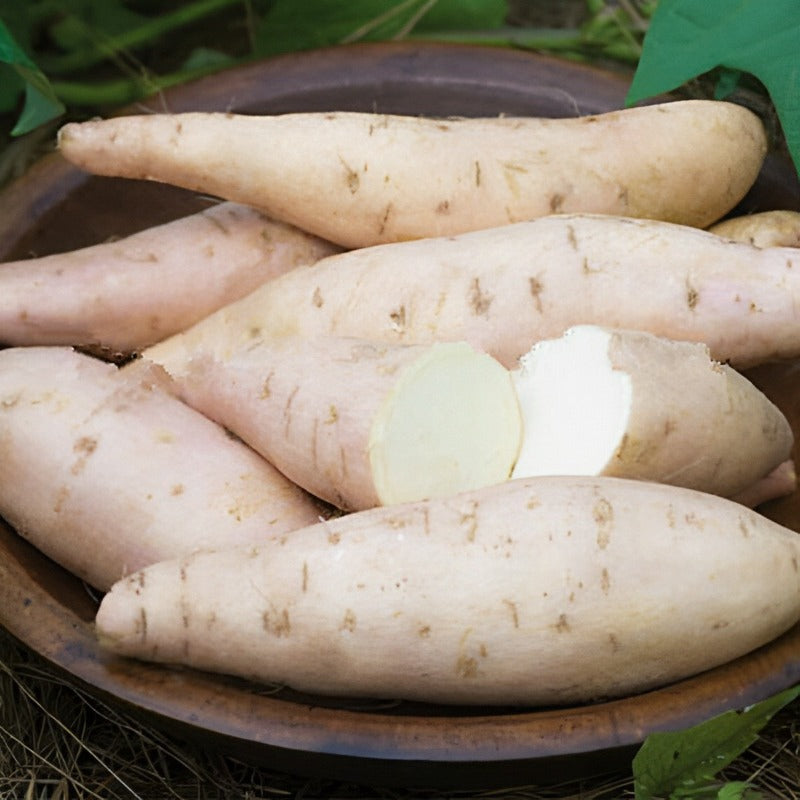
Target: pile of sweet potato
<point x="437" y="409"/>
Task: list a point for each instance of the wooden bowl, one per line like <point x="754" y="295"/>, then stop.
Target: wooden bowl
<point x="55" y="207"/>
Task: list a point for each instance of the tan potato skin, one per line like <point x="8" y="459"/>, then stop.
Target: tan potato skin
<point x="778" y="228"/>
<point x="707" y="428"/>
<point x="533" y="592"/>
<point x="309" y="406"/>
<point x="106" y="471"/>
<point x="124" y="295"/>
<point x="503" y="289"/>
<point x="361" y="179"/>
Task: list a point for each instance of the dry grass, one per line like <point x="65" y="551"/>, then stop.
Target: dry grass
<point x="59" y="743"/>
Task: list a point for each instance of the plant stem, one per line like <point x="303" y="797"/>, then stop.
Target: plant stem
<point x="121" y="92"/>
<point x="103" y="48"/>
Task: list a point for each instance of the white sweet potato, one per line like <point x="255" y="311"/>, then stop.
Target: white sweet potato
<point x="777" y="228"/>
<point x="361" y="424"/>
<point x="503" y="289"/>
<point x="124" y="295"/>
<point x="601" y="401"/>
<point x="536" y="592"/>
<point x="360" y="179"/>
<point x="780" y="482"/>
<point x="105" y="471"/>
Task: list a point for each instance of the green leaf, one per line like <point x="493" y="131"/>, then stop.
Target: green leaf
<point x="687" y="38"/>
<point x="738" y="790"/>
<point x="39" y="108"/>
<point x="41" y="104"/>
<point x="683" y="764"/>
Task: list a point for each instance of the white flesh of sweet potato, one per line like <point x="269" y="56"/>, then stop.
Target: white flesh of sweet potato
<point x="123" y="295"/>
<point x="360" y="179"/>
<point x="105" y="471"/>
<point x="536" y="591"/>
<point x="599" y="401"/>
<point x="360" y="423"/>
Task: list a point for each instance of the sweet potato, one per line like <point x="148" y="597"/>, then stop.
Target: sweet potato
<point x="601" y="401"/>
<point x="780" y="482"/>
<point x="537" y="591"/>
<point x="123" y="295"/>
<point x="105" y="471"/>
<point x="503" y="289"/>
<point x="778" y="228"/>
<point x="359" y="423"/>
<point x="361" y="179"/>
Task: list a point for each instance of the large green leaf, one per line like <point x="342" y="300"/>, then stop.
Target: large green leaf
<point x="684" y="764"/>
<point x="688" y="38"/>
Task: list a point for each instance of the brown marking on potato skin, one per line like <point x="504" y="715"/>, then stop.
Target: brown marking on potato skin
<point x="614" y="642"/>
<point x="316" y="298"/>
<point x="479" y="301"/>
<point x="470" y="519"/>
<point x="333" y="415"/>
<point x="276" y="623"/>
<point x="334" y="538"/>
<point x="304" y="583"/>
<point x="84" y="446"/>
<point x="605" y="581"/>
<point x="218" y="223"/>
<point x="562" y="625"/>
<point x="743" y="529"/>
<point x="533" y="502"/>
<point x="385" y="218"/>
<point x="670" y="426"/>
<point x="536" y="287"/>
<point x="477" y="174"/>
<point x="512" y="607"/>
<point x="139" y="579"/>
<point x="603" y="514"/>
<point x="719" y="625"/>
<point x="398" y="319"/>
<point x="177" y="489"/>
<point x="572" y="237"/>
<point x="349" y="621"/>
<point x="692" y="296"/>
<point x="443" y="207"/>
<point x="287" y="410"/>
<point x="140" y="625"/>
<point x="352" y="178"/>
<point x="589" y="270"/>
<point x="62" y="495"/>
<point x="266" y="391"/>
<point x="424" y="631"/>
<point x="556" y="203"/>
<point x="692" y="519"/>
<point x="466" y="667"/>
